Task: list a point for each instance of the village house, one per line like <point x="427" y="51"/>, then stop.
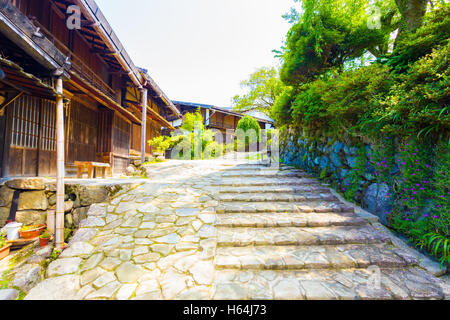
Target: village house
<point x="107" y="99"/>
<point x="218" y="118"/>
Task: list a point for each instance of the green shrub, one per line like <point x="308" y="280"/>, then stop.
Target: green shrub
<point x="160" y="144"/>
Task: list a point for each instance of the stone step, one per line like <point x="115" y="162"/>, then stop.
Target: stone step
<point x="271" y="189"/>
<point x="265" y="174"/>
<point x="344" y="284"/>
<point x="284" y="207"/>
<point x="268" y="220"/>
<point x="311" y="257"/>
<point x="289" y="236"/>
<point x="275" y="197"/>
<point x="258" y="167"/>
<point x="255" y="182"/>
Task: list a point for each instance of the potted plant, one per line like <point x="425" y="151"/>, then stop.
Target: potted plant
<point x="44" y="238"/>
<point x="4" y="247"/>
<point x="31" y="232"/>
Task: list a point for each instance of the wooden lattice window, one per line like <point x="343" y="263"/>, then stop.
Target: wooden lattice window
<point x="48" y="126"/>
<point x="25" y="122"/>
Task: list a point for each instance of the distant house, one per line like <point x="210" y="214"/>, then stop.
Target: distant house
<point x="222" y="119"/>
<point x="102" y="88"/>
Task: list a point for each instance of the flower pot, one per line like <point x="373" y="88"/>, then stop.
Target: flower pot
<point x="31" y="234"/>
<point x="12" y="229"/>
<point x="43" y="242"/>
<point x="4" y="251"/>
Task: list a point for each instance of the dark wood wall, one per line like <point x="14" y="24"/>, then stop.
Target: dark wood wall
<point x="120" y="141"/>
<point x="81" y="133"/>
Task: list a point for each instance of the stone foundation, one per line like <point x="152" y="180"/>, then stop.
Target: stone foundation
<point x="38" y="196"/>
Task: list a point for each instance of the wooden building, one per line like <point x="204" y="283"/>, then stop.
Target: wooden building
<point x="214" y="117"/>
<point x="104" y="91"/>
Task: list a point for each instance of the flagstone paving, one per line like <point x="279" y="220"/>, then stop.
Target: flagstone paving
<point x="222" y="230"/>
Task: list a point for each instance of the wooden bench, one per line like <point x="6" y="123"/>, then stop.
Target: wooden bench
<point x="90" y="166"/>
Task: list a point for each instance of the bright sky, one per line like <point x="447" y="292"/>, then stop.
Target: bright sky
<point x="199" y="50"/>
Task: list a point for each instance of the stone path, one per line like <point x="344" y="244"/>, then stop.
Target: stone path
<point x="221" y="230"/>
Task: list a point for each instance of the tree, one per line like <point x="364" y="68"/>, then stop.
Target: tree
<point x="412" y="12"/>
<point x="263" y="87"/>
<point x="330" y="33"/>
<point x="192" y="121"/>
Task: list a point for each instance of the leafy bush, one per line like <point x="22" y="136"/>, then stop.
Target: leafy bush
<point x="196" y="138"/>
<point x="160" y="144"/>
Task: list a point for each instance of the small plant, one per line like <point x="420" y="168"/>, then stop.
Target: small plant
<point x="2" y="240"/>
<point x="438" y="245"/>
<point x="46" y="235"/>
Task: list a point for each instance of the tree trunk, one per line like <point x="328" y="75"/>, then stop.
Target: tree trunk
<point x="412" y="12"/>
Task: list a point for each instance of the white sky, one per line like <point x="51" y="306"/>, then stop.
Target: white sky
<point x="199" y="50"/>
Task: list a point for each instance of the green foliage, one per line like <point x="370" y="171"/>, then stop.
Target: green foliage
<point x="160" y="144"/>
<point x="263" y="87"/>
<point x="46" y="235"/>
<point x="399" y="102"/>
<point x="250" y="127"/>
<point x="248" y="123"/>
<point x="434" y="32"/>
<point x="330" y="33"/>
<point x="193" y="121"/>
<point x="438" y="245"/>
<point x="375" y="100"/>
<point x="196" y="138"/>
<point x="2" y="240"/>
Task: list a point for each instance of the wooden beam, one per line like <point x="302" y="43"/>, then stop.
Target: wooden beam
<point x="144" y="124"/>
<point x="59" y="230"/>
<point x="7" y="103"/>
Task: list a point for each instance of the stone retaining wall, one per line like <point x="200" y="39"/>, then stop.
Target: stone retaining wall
<point x="336" y="163"/>
<point x="38" y="196"/>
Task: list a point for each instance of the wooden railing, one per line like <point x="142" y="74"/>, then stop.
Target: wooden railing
<point x="220" y="124"/>
<point x="80" y="67"/>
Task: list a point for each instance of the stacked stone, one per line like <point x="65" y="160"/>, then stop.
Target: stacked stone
<point x="338" y="160"/>
<point x="38" y="195"/>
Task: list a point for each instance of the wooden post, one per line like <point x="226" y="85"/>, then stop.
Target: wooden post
<point x="59" y="232"/>
<point x="144" y="124"/>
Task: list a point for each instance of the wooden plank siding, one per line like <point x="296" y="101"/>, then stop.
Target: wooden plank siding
<point x="81" y="131"/>
<point x="120" y="141"/>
